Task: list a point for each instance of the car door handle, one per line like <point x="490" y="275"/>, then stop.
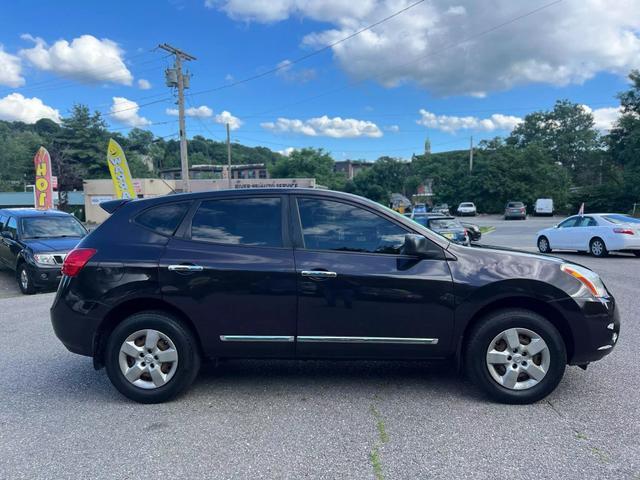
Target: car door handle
<point x="318" y="274"/>
<point x="185" y="268"/>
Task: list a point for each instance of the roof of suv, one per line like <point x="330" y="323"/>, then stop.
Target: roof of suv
<point x="30" y="212"/>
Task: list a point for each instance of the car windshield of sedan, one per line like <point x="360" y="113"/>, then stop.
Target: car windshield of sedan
<point x="618" y="219"/>
<point x="445" y="224"/>
<point x="515" y="205"/>
<point x="466" y="204"/>
<point x="51" y="227"/>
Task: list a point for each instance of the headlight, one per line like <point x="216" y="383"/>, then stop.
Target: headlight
<point x="44" y="258"/>
<point x="586" y="277"/>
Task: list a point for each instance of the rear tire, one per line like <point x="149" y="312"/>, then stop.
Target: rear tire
<point x="637" y="253"/>
<point x="25" y="282"/>
<point x="137" y="347"/>
<point x="597" y="247"/>
<point x="500" y="356"/>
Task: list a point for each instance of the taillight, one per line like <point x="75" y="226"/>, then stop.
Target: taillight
<point x="624" y="231"/>
<point x="76" y="259"/>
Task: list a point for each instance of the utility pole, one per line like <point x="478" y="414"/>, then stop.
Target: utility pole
<point x="175" y="78"/>
<point x="471" y="154"/>
<point x="228" y="156"/>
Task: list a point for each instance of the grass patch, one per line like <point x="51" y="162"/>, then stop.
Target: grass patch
<point x="374" y="457"/>
<point x="485" y="230"/>
<point x="382" y="432"/>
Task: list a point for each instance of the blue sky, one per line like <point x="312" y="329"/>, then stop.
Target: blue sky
<point x="430" y="71"/>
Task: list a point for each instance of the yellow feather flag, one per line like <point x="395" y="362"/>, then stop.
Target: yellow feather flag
<point x="119" y="169"/>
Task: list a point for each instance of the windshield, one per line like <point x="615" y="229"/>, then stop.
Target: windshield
<point x="617" y="219"/>
<point x="445" y="224"/>
<point x="52" y="227"/>
<point x="466" y="204"/>
<point x="515" y="205"/>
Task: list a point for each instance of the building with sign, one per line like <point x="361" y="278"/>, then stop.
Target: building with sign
<point x="98" y="191"/>
<point x="196" y="172"/>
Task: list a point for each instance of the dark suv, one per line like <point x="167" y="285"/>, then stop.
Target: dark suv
<point x="34" y="243"/>
<point x="296" y="273"/>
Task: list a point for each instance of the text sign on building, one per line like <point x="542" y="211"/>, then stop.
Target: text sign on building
<point x="43" y="190"/>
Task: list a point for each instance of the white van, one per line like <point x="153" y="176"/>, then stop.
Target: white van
<point x="543" y="206"/>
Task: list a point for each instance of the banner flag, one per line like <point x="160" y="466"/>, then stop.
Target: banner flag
<point x="119" y="169"/>
<point x="581" y="211"/>
<point x="43" y="191"/>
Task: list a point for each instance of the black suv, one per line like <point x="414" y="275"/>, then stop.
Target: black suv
<point x="34" y="243"/>
<point x="296" y="273"/>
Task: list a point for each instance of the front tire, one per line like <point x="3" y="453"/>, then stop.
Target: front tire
<point x="151" y="357"/>
<point x="597" y="247"/>
<point x="25" y="281"/>
<point x="515" y="356"/>
<point x="543" y="245"/>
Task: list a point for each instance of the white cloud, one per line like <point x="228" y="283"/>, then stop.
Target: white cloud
<point x="125" y="111"/>
<point x="287" y="151"/>
<point x="229" y="78"/>
<point x="15" y="107"/>
<point x="85" y="58"/>
<point x="452" y="123"/>
<point x="202" y="111"/>
<point x="287" y="72"/>
<point x="392" y="128"/>
<point x="567" y="43"/>
<point x="275" y="10"/>
<point x="324" y="126"/>
<point x="604" y="118"/>
<point x="10" y="69"/>
<point x="226" y="117"/>
<point x="144" y="84"/>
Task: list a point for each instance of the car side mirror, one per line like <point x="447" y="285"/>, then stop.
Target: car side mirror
<point x="419" y="246"/>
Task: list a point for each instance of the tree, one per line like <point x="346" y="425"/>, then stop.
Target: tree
<point x="567" y="132"/>
<point x="308" y="163"/>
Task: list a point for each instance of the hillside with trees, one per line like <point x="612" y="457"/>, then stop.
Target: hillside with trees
<point x="557" y="153"/>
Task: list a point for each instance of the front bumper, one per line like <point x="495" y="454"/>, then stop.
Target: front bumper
<point x="43" y="277"/>
<point x="596" y="328"/>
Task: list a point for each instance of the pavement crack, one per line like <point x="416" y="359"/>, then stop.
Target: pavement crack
<point x="382" y="437"/>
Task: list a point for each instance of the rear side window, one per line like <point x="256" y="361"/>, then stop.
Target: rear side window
<point x="329" y="225"/>
<point x="163" y="219"/>
<point x="239" y="221"/>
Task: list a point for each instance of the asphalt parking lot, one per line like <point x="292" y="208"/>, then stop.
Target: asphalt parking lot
<point x="245" y="419"/>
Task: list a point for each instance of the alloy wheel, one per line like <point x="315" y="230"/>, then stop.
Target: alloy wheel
<point x="148" y="359"/>
<point x="24" y="279"/>
<point x="597" y="247"/>
<point x="543" y="245"/>
<point x="518" y="358"/>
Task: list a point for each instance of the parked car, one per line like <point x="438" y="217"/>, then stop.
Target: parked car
<point x="467" y="208"/>
<point x="597" y="233"/>
<point x="516" y="210"/>
<point x="419" y="208"/>
<point x="34" y="244"/>
<point x="308" y="274"/>
<point x="543" y="206"/>
<point x="474" y="232"/>
<point x="442" y="208"/>
<point x="448" y="227"/>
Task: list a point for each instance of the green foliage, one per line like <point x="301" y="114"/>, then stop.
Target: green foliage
<point x="309" y="163"/>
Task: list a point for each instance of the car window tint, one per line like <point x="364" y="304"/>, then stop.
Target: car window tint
<point x="586" y="222"/>
<point x="3" y="220"/>
<point x="239" y="221"/>
<point x="46" y="226"/>
<point x="12" y="226"/>
<point x="618" y="219"/>
<point x="165" y="218"/>
<point x="569" y="222"/>
<point x="329" y="225"/>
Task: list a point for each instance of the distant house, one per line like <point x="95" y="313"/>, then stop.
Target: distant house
<point x="350" y="167"/>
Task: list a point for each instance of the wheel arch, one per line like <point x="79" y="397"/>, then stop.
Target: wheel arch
<point x="542" y="308"/>
<point x="131" y="307"/>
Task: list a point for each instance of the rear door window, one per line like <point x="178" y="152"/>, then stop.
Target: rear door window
<point x="239" y="221"/>
<point x="163" y="219"/>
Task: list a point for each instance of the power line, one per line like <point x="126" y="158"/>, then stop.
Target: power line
<point x="308" y="55"/>
<point x="421" y="58"/>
